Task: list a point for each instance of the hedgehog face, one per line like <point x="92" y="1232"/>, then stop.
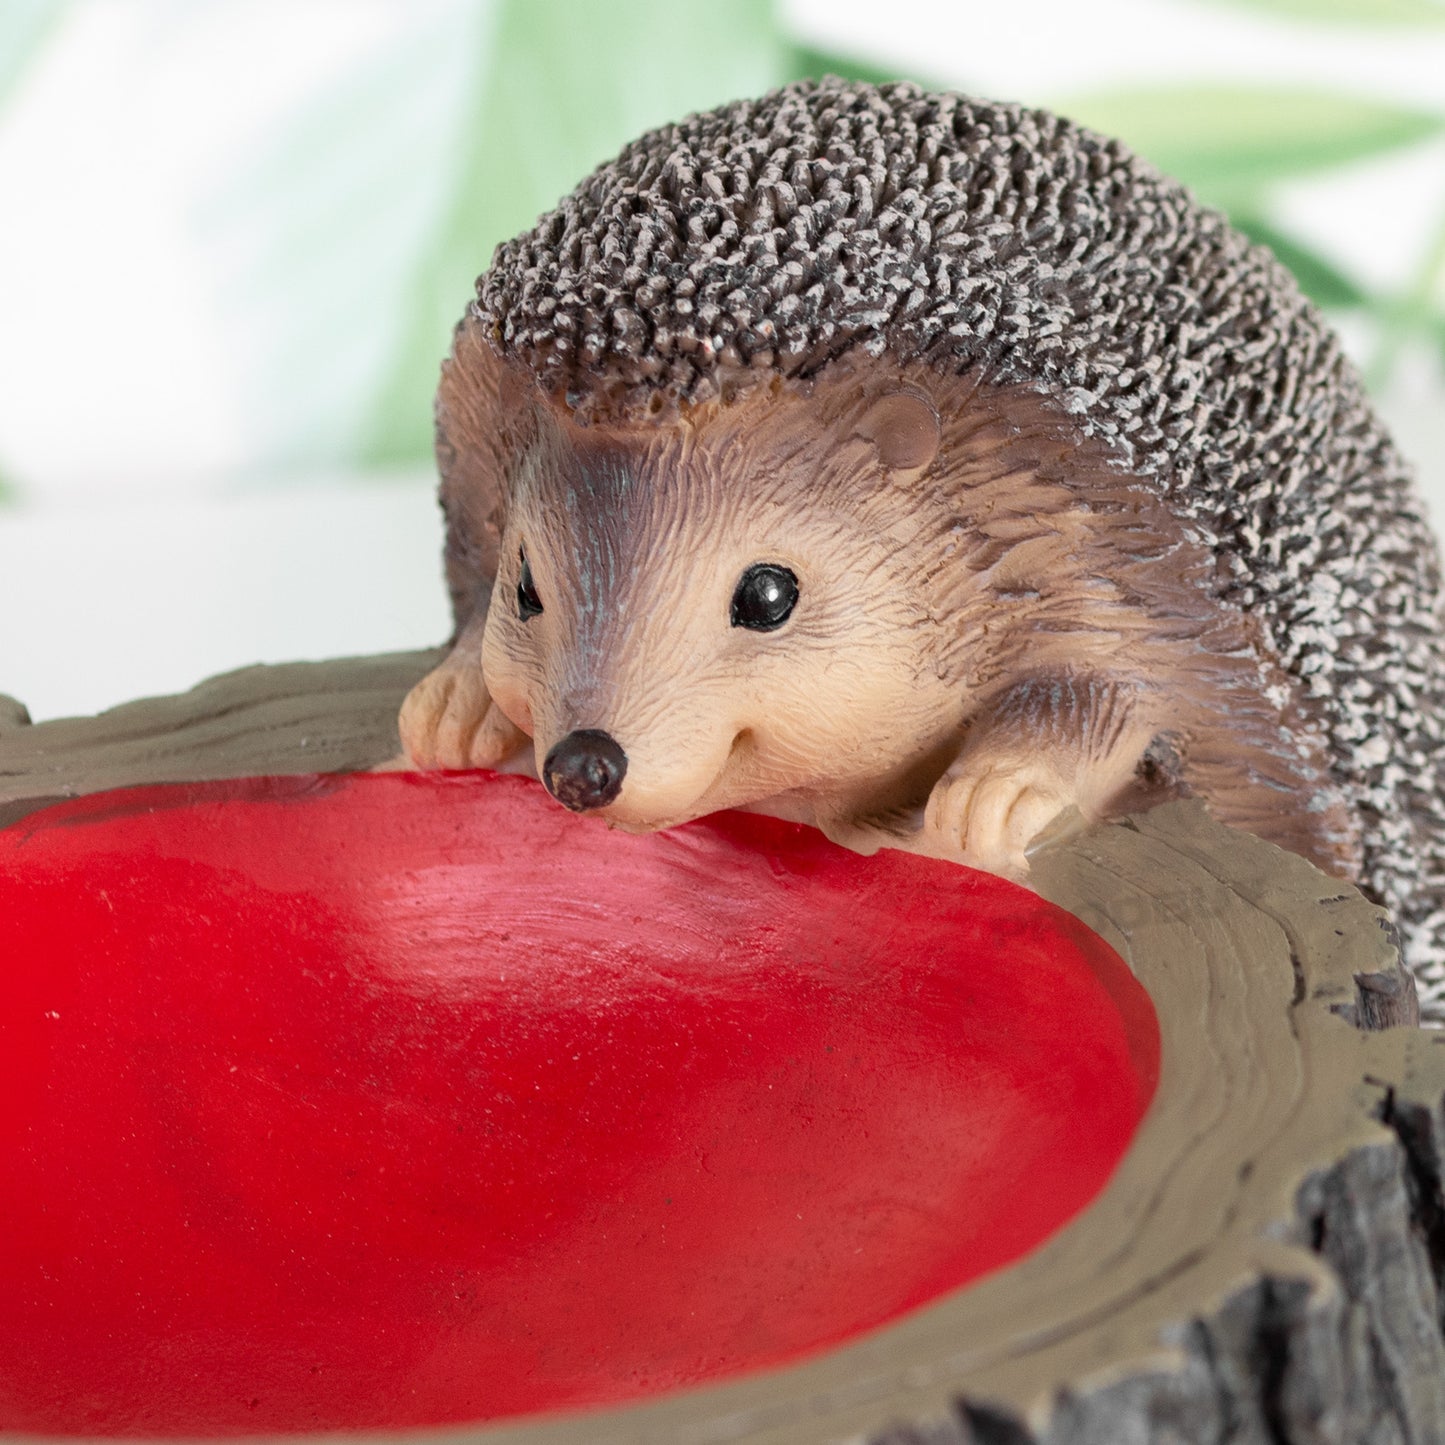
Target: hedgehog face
<point x="711" y="613"/>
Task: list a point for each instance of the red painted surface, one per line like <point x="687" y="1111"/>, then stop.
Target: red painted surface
<point x="388" y="1101"/>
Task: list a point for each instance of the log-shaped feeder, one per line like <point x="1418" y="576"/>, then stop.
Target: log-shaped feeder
<point x="336" y="1100"/>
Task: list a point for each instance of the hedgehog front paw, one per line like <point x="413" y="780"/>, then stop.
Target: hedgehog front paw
<point x="987" y="814"/>
<point x="449" y="721"/>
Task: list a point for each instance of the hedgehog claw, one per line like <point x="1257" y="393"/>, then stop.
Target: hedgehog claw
<point x="987" y="818"/>
<point x="449" y="721"/>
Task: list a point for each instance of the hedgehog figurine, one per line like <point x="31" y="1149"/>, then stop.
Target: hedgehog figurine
<point x="928" y="469"/>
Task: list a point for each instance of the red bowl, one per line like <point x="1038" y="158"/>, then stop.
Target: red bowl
<point x="387" y="1100"/>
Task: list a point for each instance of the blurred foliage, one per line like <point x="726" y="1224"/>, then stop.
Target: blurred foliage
<point x="806" y="62"/>
<point x="25" y="25"/>
<point x="1222" y="140"/>
<point x="559" y="95"/>
<point x="1348" y="12"/>
<point x="419" y="162"/>
<point x="1415" y="313"/>
<point x="324" y="229"/>
<point x="1320" y="279"/>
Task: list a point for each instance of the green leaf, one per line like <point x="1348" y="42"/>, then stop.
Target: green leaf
<point x="1348" y="12"/>
<point x="1222" y="138"/>
<point x="25" y="26"/>
<point x="312" y="232"/>
<point x="1411" y="313"/>
<point x="561" y="94"/>
<point x="1320" y="279"/>
<point x="1402" y="323"/>
<point x="805" y="62"/>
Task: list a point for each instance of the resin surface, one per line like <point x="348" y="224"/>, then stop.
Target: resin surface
<point x="387" y="1100"/>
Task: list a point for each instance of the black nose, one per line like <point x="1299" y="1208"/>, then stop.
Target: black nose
<point x="585" y="770"/>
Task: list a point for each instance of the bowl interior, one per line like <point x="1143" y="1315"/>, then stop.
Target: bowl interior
<point x="390" y="1100"/>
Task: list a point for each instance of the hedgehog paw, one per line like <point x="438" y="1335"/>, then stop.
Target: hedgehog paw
<point x="988" y="817"/>
<point x="449" y="721"/>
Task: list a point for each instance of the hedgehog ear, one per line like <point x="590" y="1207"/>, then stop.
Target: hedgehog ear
<point x="904" y="428"/>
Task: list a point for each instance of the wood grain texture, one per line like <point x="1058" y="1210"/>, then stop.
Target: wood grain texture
<point x="1266" y="1264"/>
<point x="302" y="717"/>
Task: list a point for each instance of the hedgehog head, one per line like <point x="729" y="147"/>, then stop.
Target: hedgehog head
<point x="725" y="608"/>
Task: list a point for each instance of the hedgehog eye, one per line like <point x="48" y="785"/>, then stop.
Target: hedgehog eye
<point x="529" y="604"/>
<point x="764" y="597"/>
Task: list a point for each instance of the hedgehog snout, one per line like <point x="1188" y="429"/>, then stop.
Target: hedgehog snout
<point x="585" y="770"/>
